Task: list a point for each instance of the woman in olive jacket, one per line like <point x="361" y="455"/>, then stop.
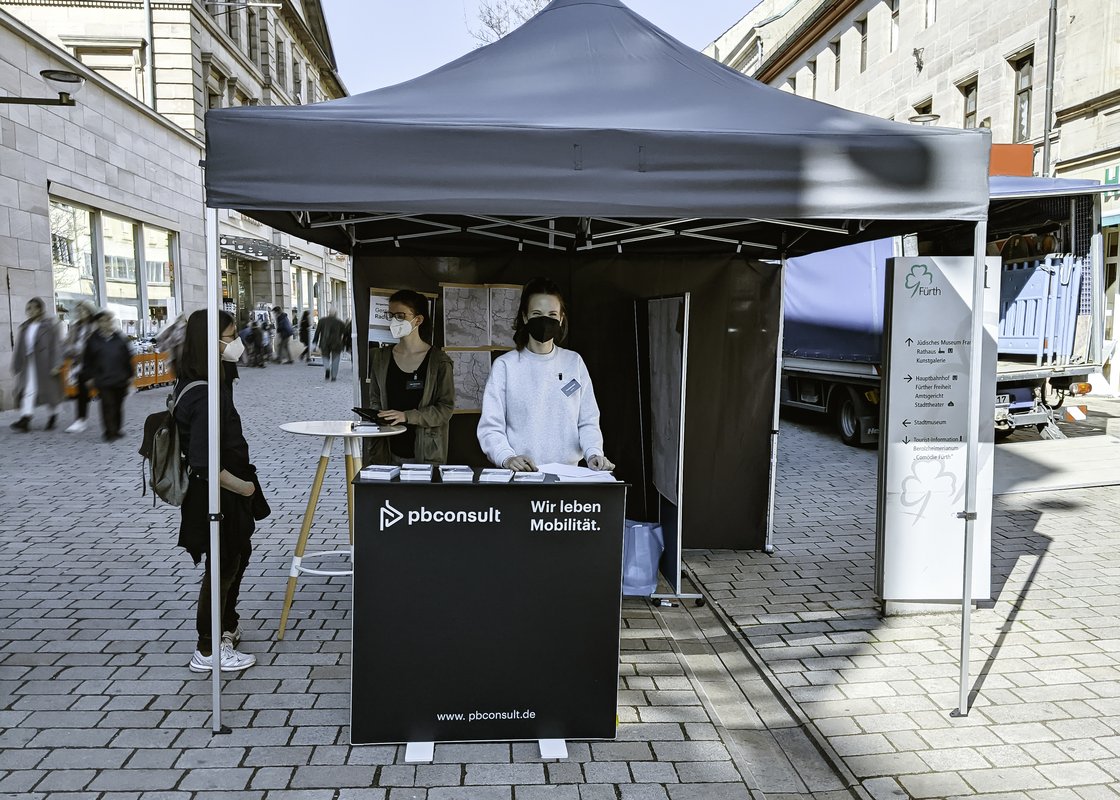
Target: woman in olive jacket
<point x="411" y="384"/>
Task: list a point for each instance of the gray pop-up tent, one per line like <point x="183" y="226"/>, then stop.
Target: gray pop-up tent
<point x="591" y="146"/>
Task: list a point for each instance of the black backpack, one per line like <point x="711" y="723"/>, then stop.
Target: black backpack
<point x="160" y="448"/>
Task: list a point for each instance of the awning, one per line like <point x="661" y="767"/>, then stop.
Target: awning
<point x="250" y="249"/>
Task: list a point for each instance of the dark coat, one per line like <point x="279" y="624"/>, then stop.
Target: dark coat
<point x="305" y="330"/>
<point x="107" y="361"/>
<point x="284" y="326"/>
<point x="46" y="360"/>
<point x="328" y="335"/>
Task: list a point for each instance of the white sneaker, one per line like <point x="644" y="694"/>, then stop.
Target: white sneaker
<point x="232" y="638"/>
<point x="231" y="660"/>
<point x="77" y="426"/>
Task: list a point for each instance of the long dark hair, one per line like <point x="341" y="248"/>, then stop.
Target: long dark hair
<point x="538" y="286"/>
<point x="191" y="365"/>
<point x="418" y="305"/>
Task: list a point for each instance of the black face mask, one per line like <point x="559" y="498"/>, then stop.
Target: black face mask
<point x="543" y="329"/>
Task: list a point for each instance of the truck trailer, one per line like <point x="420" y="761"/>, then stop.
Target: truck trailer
<point x="1047" y="232"/>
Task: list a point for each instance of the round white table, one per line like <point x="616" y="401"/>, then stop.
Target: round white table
<point x="351" y="434"/>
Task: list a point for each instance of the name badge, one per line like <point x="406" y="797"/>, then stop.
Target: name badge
<point x="414" y="386"/>
<point x="570" y="388"/>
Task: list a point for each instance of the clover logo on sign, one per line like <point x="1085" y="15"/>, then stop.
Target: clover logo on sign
<point x="926" y="478"/>
<point x="918" y="278"/>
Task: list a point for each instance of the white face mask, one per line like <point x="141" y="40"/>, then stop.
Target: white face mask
<point x="400" y="327"/>
<point x="233" y="350"/>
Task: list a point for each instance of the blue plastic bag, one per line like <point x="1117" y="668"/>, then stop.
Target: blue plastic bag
<point x="642" y="545"/>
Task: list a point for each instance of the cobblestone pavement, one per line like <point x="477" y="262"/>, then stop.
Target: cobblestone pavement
<point x="1045" y="723"/>
<point x="97" y="605"/>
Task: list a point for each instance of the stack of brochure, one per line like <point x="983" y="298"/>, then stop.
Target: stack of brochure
<point x="528" y="477"/>
<point x="496" y="476"/>
<point x="456" y="473"/>
<point x="416" y="472"/>
<point x="379" y="472"/>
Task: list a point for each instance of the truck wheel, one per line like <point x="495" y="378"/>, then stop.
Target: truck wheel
<point x="849" y="409"/>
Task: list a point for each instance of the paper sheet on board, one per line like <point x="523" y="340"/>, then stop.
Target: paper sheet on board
<point x="569" y="474"/>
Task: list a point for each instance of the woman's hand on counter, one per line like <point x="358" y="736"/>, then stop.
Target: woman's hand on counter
<point x="600" y="463"/>
<point x="520" y="464"/>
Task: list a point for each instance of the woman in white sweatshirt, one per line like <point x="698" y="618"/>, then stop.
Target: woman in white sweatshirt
<point x="539" y="407"/>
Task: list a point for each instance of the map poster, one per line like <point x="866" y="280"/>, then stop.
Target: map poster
<point x="471" y="370"/>
<point x="466" y="316"/>
<point x="504" y="301"/>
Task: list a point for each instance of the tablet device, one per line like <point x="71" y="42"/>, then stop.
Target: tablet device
<point x="367" y="414"/>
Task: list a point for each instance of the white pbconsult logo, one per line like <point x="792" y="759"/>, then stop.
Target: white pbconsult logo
<point x="390" y="516"/>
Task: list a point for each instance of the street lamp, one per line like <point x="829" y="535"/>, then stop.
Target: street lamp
<point x="66" y="83"/>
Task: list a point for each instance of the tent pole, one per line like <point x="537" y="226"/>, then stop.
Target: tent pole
<point x="976" y="367"/>
<point x="213" y="368"/>
<point x="768" y="545"/>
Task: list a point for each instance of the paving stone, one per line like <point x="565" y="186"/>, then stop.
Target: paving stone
<point x="225" y="779"/>
<point x="493" y="774"/>
<point x="141" y="780"/>
<point x="271" y="778"/>
<point x="471" y="793"/>
<point x="341" y="776"/>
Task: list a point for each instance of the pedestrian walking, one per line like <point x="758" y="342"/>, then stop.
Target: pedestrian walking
<point x="305" y="335"/>
<point x="107" y="364"/>
<point x="37" y="365"/>
<point x="240" y="491"/>
<point x="284" y="336"/>
<point x="84" y="324"/>
<point x="256" y="349"/>
<point x="328" y="335"/>
<point x="170" y="340"/>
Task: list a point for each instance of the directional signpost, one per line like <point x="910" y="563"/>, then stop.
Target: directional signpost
<point x="925" y="440"/>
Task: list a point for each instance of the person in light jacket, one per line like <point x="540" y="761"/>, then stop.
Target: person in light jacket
<point x="539" y="406"/>
<point x="412" y="384"/>
<point x="37" y="364"/>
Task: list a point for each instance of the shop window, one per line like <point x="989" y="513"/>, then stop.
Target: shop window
<point x="1024" y="77"/>
<point x="281" y="62"/>
<point x="969" y="90"/>
<point x="122" y="288"/>
<point x="119" y="60"/>
<point x="253" y="36"/>
<point x="159" y="276"/>
<point x="233" y="25"/>
<point x="861" y="29"/>
<point x="894" y="24"/>
<point x="72" y="256"/>
<point x="835" y="47"/>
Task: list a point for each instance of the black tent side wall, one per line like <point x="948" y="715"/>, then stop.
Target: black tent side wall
<point x="731" y="368"/>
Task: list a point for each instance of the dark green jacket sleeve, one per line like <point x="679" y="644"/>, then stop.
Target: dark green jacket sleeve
<point x="439" y="411"/>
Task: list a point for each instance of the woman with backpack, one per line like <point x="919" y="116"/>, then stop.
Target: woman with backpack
<point x="240" y="490"/>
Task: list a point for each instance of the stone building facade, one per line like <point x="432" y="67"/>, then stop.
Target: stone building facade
<point x="101" y="200"/>
<point x="181" y="58"/>
<point x="959" y="63"/>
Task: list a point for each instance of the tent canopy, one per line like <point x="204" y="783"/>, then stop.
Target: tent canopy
<point x="587" y="111"/>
